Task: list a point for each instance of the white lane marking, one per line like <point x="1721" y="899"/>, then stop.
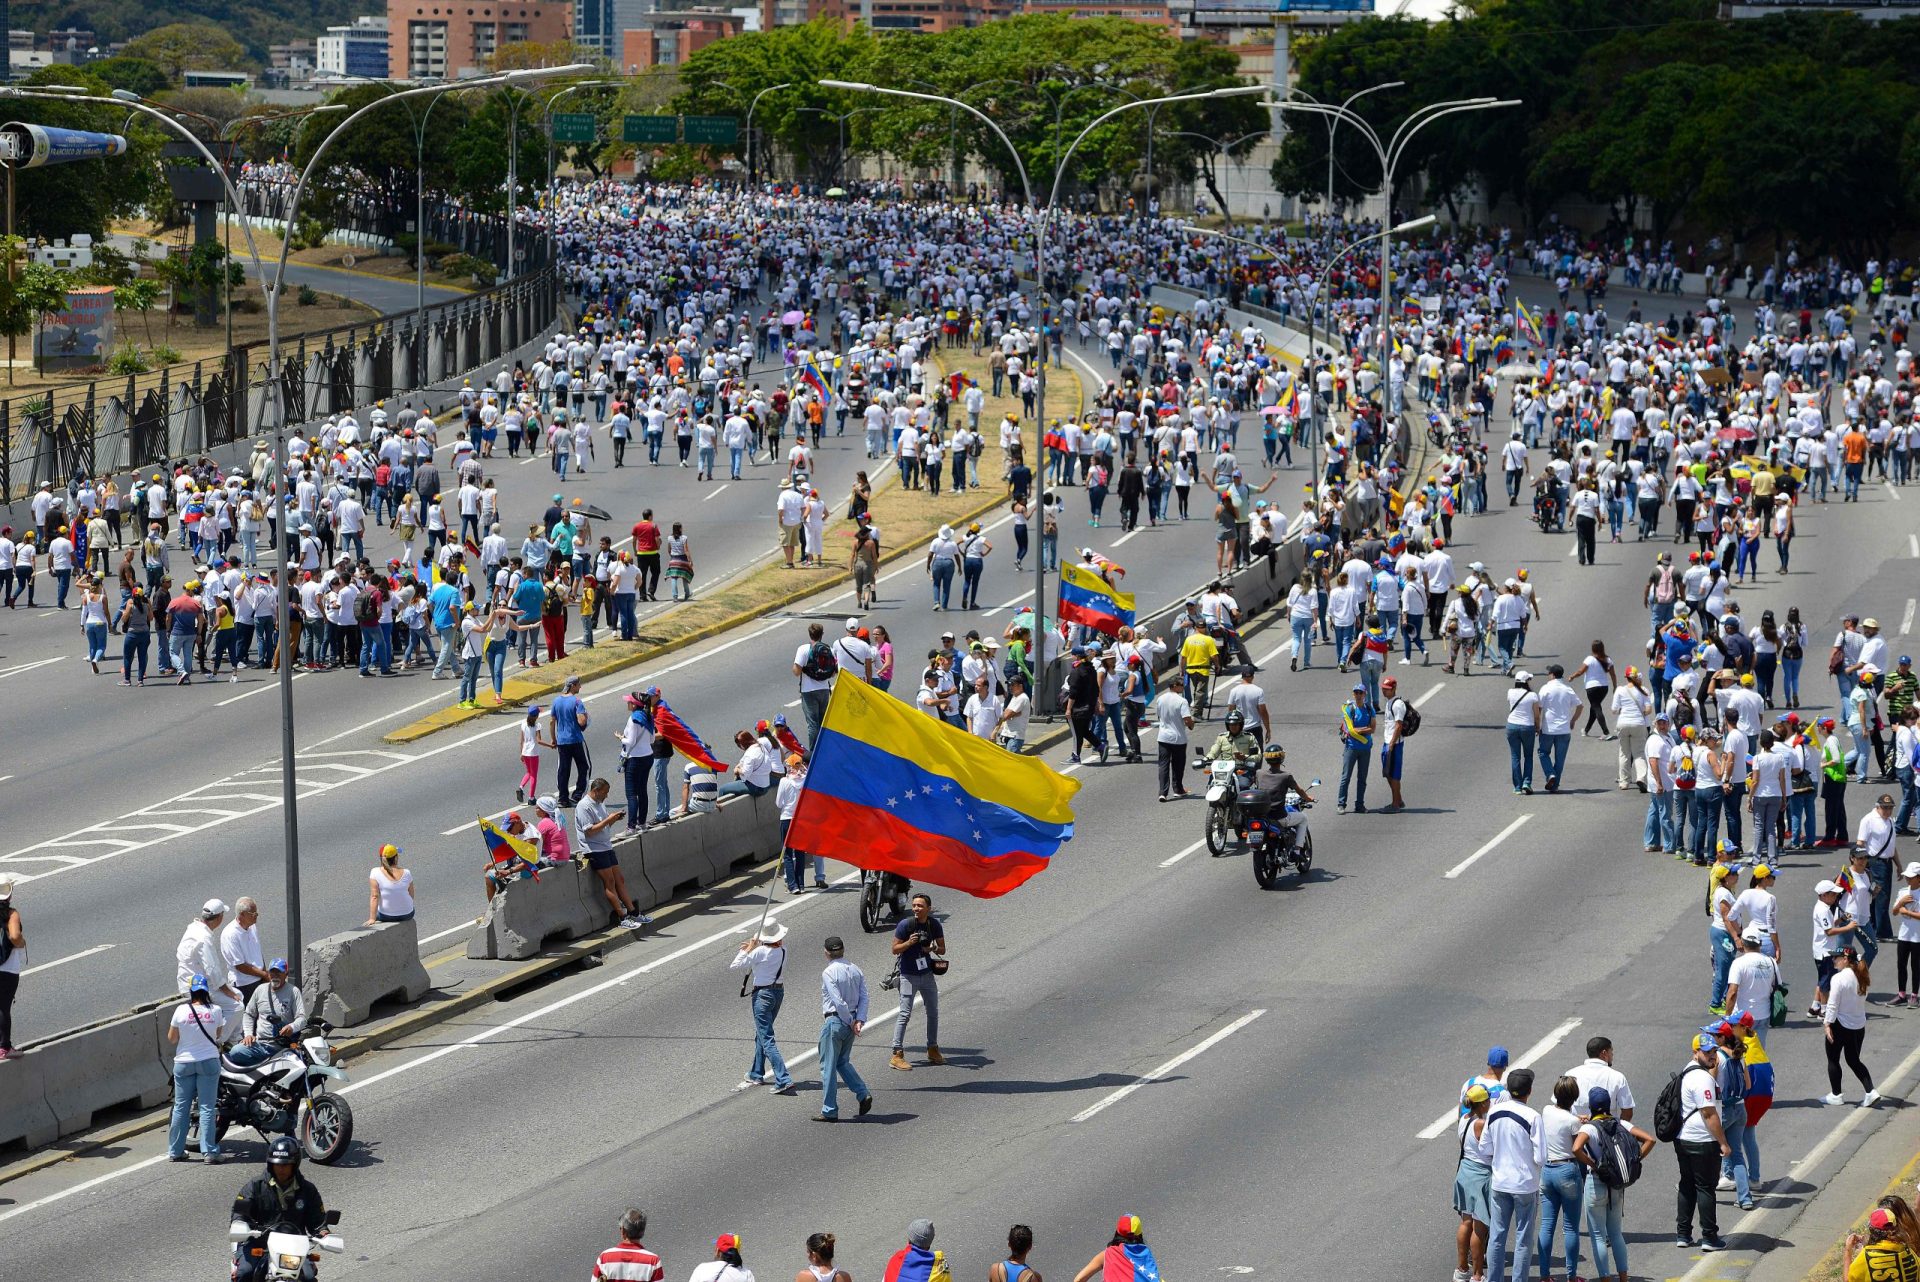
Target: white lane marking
<point x="711" y="493"/>
<point x="796" y="702"/>
<point x="85" y="952"/>
<point x="465" y="925"/>
<point x="1275" y="653"/>
<point x="1129" y="534"/>
<point x="1190" y="1053"/>
<point x="875" y="1022"/>
<point x="1438" y="686"/>
<point x="1913" y="545"/>
<point x="1906" y="620"/>
<point x="1532" y="1055"/>
<point x="1753" y="1219"/>
<point x="272" y="683"/>
<point x="1022" y="599"/>
<point x="1574" y="550"/>
<point x="1894" y="492"/>
<point x="1170" y="862"/>
<point x="81" y="1187"/>
<point x="4" y="778"/>
<point x="29" y="667"/>
<point x="1474" y="858"/>
<point x="385" y="716"/>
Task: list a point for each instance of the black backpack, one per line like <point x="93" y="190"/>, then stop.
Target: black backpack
<point x="1616" y="1154"/>
<point x="1409" y="720"/>
<point x="1667" y="1115"/>
<point x="6" y="923"/>
<point x="366" y="606"/>
<point x="820" y="664"/>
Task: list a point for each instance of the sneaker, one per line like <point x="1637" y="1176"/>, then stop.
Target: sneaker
<point x="1869" y="1099"/>
<point x="629" y="922"/>
<point x="1746" y="1205"/>
<point x="1721" y="1011"/>
<point x="777" y="1089"/>
<point x="1833" y="1100"/>
<point x="866" y="1106"/>
<point x="1461" y="1275"/>
<point x="1683" y="1241"/>
<point x="752" y="1079"/>
<point x="1726" y="1183"/>
<point x="520" y="795"/>
<point x="1713" y="1244"/>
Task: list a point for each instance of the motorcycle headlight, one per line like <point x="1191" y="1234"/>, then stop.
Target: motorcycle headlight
<point x="317" y="1050"/>
<point x="291" y="1262"/>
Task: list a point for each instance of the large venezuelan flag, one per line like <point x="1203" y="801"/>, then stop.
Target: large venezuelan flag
<point x="1087" y="598"/>
<point x="893" y="789"/>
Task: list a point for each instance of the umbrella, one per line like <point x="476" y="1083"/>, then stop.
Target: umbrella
<point x="1735" y="434"/>
<point x="836" y="191"/>
<point x="793" y="318"/>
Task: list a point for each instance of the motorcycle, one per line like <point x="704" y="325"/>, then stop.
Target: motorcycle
<point x="885" y="897"/>
<point x="1223" y="800"/>
<point x="286" y="1094"/>
<point x="288" y="1257"/>
<point x="1276" y="844"/>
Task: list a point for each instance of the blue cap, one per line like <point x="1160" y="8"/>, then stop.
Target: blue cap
<point x="1599" y="1100"/>
<point x="279" y="964"/>
<point x="1497" y="1057"/>
<point x="1906" y="658"/>
<point x="199" y="984"/>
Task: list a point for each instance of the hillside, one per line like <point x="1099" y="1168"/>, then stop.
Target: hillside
<point x="256" y="24"/>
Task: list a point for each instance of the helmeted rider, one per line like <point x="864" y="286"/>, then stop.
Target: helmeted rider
<point x="280" y="1198"/>
<point x="1236" y="744"/>
<point x="1272" y="788"/>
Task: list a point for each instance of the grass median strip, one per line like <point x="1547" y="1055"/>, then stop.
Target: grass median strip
<point x="907" y="521"/>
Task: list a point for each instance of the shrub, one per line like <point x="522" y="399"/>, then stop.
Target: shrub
<point x="127" y="360"/>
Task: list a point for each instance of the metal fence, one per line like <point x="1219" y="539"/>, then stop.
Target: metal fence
<point x="119" y="424"/>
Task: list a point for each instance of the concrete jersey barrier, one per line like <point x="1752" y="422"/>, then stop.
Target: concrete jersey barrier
<point x="345" y="974"/>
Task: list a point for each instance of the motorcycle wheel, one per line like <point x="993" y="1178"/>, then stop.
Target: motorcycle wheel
<point x="870" y="920"/>
<point x="326" y="1128"/>
<point x="1303" y="855"/>
<point x="1266" y="864"/>
<point x="1217" y="832"/>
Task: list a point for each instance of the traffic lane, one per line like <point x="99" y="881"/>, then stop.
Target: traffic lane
<point x="720" y="687"/>
<point x="1023" y="996"/>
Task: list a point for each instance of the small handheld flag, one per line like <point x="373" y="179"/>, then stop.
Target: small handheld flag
<point x="511" y="854"/>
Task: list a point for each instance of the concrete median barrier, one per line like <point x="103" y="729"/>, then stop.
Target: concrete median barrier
<point x="118" y="1063"/>
<point x="25" y="1116"/>
<point x="565" y="903"/>
<point x="345" y="974"/>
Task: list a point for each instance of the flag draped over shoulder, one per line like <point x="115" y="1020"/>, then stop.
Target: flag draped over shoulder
<point x="891" y="788"/>
<point x="668" y="725"/>
<point x="1087" y="598"/>
<point x="810" y="375"/>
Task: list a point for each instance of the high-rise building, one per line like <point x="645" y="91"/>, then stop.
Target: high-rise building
<point x="357" y="49"/>
<point x="437" y="40"/>
<point x="669" y="39"/>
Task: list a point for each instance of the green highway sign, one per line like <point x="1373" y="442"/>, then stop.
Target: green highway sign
<point x="713" y="131"/>
<point x="653" y="129"/>
<point x="575" y="126"/>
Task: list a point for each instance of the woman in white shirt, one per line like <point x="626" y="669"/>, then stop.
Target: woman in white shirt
<point x="1473" y="1186"/>
<point x="1303" y="602"/>
<point x="1846" y="1021"/>
<point x="1597" y="674"/>
<point x="390" y="889"/>
<point x="195" y="1031"/>
<point x="793" y="863"/>
<point x="1460" y="625"/>
<point x="726" y="1265"/>
<point x="1632" y="707"/>
<point x="1562" y="1182"/>
<point x="1345" y="600"/>
<point x="1523" y="730"/>
<point x="1906" y="933"/>
<point x="93" y="621"/>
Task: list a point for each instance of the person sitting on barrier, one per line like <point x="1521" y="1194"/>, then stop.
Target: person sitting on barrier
<point x="274" y="1016"/>
<point x="504" y="872"/>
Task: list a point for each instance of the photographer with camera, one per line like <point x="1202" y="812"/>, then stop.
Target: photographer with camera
<point x="920" y="944"/>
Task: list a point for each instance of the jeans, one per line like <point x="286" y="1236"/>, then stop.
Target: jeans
<point x="1606" y="1208"/>
<point x="1658" y="832"/>
<point x="1733" y="1117"/>
<point x="734" y="457"/>
<point x="1560" y="1195"/>
<point x="836" y="1063"/>
<point x="133" y="651"/>
<point x="1513" y="1215"/>
<point x="449" y="651"/>
<point x="814" y="704"/>
<point x="662" y="792"/>
<point x="1699" y="1177"/>
<point x="766" y="1052"/>
<point x="1881" y="871"/>
<point x="1720" y="953"/>
<point x="96" y="641"/>
<point x="1800" y="818"/>
<point x="1342" y="642"/>
<point x="1303" y="641"/>
<point x="1706" y="823"/>
<point x="1355" y="761"/>
<point x="1766" y="815"/>
<point x="634" y="772"/>
<point x="469" y="678"/>
<point x="924" y="987"/>
<point x="1790" y="679"/>
<point x="1731" y="799"/>
<point x="1520" y="744"/>
<point x="62" y="580"/>
<point x="942" y="571"/>
<point x="497" y="664"/>
<point x="1553" y="755"/>
<point x="199" y="1081"/>
<point x="970" y="571"/>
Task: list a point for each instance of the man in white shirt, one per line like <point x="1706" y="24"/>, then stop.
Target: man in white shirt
<point x="790" y="511"/>
<point x="1516" y="1139"/>
<point x="1172" y="716"/>
<point x="1701" y="1144"/>
<point x="198" y="953"/>
<point x="1559" y="705"/>
<point x="1598" y="1070"/>
<point x="1658" y="833"/>
<point x="240" y="949"/>
<point x="1751" y="981"/>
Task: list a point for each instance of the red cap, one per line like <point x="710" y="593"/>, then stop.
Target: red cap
<point x="1128" y="1225"/>
<point x="1880" y="1219"/>
<point x="727" y="1242"/>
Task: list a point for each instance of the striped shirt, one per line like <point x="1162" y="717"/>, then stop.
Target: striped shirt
<point x="627" y="1262"/>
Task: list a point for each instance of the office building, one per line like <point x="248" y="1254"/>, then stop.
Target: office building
<point x="357" y="49"/>
<point x="437" y="40"/>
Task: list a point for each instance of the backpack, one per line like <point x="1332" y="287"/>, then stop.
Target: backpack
<point x="1409" y="720"/>
<point x="1667" y="1115"/>
<point x="820" y="664"/>
<point x="1663" y="589"/>
<point x="1616" y="1156"/>
<point x="366" y="607"/>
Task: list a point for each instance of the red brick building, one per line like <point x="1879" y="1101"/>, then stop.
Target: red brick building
<point x="443" y="40"/>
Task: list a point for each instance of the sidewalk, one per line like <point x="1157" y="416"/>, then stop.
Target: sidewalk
<point x="1887" y="1161"/>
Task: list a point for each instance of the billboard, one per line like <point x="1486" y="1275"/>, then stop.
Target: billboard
<point x="26" y="146"/>
<point x="80" y="336"/>
<point x="1250" y="12"/>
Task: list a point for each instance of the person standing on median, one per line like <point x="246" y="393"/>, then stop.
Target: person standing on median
<point x="569" y="739"/>
<point x="764" y="957"/>
<point x="13" y="963"/>
<point x="843" y="998"/>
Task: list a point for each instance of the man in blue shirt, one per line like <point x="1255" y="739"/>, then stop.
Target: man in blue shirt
<point x="528" y="599"/>
<point x="570" y="738"/>
<point x="1356" y="747"/>
<point x="444" y="601"/>
<point x="843" y="1000"/>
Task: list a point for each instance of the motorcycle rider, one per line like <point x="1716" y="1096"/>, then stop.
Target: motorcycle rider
<point x="274" y="1017"/>
<point x="281" y="1198"/>
<point x="1237" y="744"/>
<point x="1269" y="792"/>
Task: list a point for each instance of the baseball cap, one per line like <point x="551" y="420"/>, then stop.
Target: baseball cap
<point x="1477" y="1094"/>
<point x="1880" y="1219"/>
<point x="199" y="984"/>
<point x="1702" y="1042"/>
<point x="1754" y="934"/>
<point x="853" y="625"/>
<point x="1497" y="1057"/>
<point x="1911" y="870"/>
<point x="213" y="908"/>
<point x="1761" y="872"/>
<point x="1130" y="1225"/>
<point x="1521" y="674"/>
<point x="1826" y="888"/>
<point x="279" y="964"/>
<point x="1720" y="1029"/>
<point x="727" y="1242"/>
<point x="1599" y="1100"/>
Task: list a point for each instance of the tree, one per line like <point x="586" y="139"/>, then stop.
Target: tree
<point x="207" y="112"/>
<point x="381" y="148"/>
<point x="84" y="196"/>
<point x="180" y="46"/>
<point x="479" y="151"/>
<point x="138" y="296"/>
<point x="138" y="74"/>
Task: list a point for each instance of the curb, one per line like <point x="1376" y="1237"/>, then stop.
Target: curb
<point x="522" y="689"/>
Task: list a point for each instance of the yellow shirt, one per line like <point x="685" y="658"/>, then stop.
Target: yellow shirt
<point x="1884" y="1262"/>
<point x="1198" y="652"/>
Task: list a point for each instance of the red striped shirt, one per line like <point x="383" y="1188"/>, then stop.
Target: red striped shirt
<point x="627" y="1262"/>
